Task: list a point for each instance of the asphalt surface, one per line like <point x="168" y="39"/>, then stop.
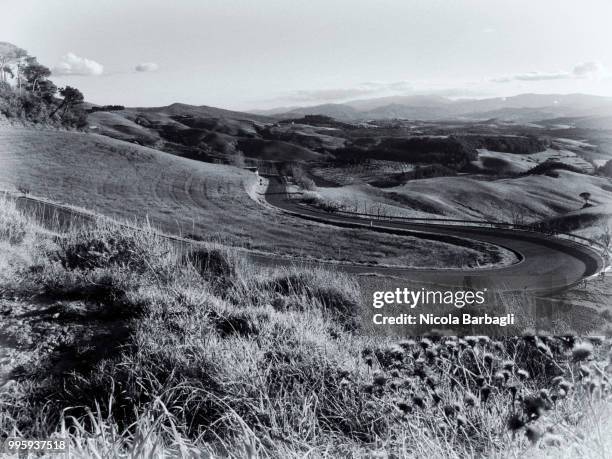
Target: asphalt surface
<point x="545" y="263"/>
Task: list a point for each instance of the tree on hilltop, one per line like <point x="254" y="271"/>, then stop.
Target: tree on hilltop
<point x="72" y="96"/>
<point x="10" y="55"/>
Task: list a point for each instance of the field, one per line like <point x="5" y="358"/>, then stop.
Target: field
<point x="129" y="349"/>
<point x="532" y="197"/>
<point x="195" y="199"/>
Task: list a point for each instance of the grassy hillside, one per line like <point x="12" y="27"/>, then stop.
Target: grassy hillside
<point x="211" y="133"/>
<point x="130" y="349"/>
<point x="195" y="199"/>
<point x="532" y="197"/>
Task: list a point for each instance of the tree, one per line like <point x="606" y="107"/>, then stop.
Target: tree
<point x="72" y="97"/>
<point x="9" y="56"/>
<point x="586" y="196"/>
<point x="34" y="73"/>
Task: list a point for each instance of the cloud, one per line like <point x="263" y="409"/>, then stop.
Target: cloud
<point x="329" y="95"/>
<point x="71" y="64"/>
<point x="584" y="70"/>
<point x="365" y="89"/>
<point x="146" y="67"/>
<point x="588" y="70"/>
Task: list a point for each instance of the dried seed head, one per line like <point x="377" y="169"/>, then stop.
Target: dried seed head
<point x="404" y="407"/>
<point x="533" y="434"/>
<point x="544" y="394"/>
<point x="470" y="399"/>
<point x="515" y="422"/>
<point x="499" y="377"/>
<point x="565" y="385"/>
<point x="407" y="344"/>
<point x="379" y="379"/>
<point x="552" y="440"/>
<point x="522" y="374"/>
<point x="418" y="400"/>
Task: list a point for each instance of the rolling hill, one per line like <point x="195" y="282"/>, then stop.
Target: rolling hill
<point x="209" y="134"/>
<point x="200" y="200"/>
<point x="521" y="108"/>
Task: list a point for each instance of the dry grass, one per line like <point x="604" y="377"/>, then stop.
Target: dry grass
<point x="218" y="357"/>
<point x="468" y="197"/>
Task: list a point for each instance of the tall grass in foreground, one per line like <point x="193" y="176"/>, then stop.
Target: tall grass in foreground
<point x="223" y="358"/>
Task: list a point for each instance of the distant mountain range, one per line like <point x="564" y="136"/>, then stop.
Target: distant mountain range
<point x="520" y="108"/>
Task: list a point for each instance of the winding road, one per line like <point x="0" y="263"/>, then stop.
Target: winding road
<point x="545" y="263"/>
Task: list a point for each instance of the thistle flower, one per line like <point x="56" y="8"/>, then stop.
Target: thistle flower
<point x="407" y="343"/>
<point x="499" y="377"/>
<point x="523" y="374"/>
<point x="513" y="388"/>
<point x="395" y="373"/>
<point x="565" y="385"/>
<point x="488" y="359"/>
<point x="449" y="411"/>
<point x="379" y="379"/>
<point x="544" y="349"/>
<point x="582" y="351"/>
<point x="557" y="379"/>
<point x="418" y="400"/>
<point x="596" y="340"/>
<point x="534" y="407"/>
<point x="344" y="383"/>
<point x="431" y="354"/>
<point x="471" y="340"/>
<point x="470" y="399"/>
<point x="484" y="339"/>
<point x="461" y="420"/>
<point x="396" y="352"/>
<point x="480" y="381"/>
<point x="515" y="422"/>
<point x="436" y="396"/>
<point x="508" y="365"/>
<point x="452" y="344"/>
<point x="425" y="343"/>
<point x="544" y="394"/>
<point x="404" y="407"/>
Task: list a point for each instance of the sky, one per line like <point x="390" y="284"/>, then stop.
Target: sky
<point x="246" y="54"/>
